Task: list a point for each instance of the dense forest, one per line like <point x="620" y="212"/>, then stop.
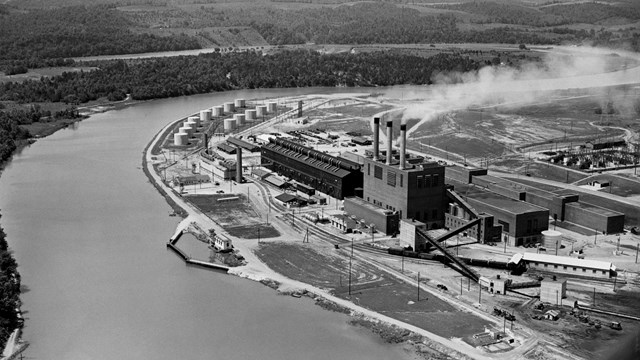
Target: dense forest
<point x="558" y="14"/>
<point x="186" y="75"/>
<point x="34" y="38"/>
<point x="9" y="290"/>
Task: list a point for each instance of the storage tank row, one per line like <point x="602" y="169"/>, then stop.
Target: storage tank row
<point x="189" y="127"/>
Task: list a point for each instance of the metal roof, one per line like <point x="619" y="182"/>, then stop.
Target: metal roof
<point x="274" y="180"/>
<point x="286" y="198"/>
<point x="568" y="261"/>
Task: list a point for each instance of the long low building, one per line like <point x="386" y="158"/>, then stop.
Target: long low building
<point x="328" y="174"/>
<point x="566" y="265"/>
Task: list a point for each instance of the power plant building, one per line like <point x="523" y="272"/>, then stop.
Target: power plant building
<point x="328" y="174"/>
<point x="399" y="188"/>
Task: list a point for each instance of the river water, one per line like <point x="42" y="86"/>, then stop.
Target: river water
<point x="89" y="234"/>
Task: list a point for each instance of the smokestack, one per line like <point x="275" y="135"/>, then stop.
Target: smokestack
<point x="206" y="143"/>
<point x="376" y="138"/>
<point x="403" y="145"/>
<point x="238" y="165"/>
<point x="389" y="139"/>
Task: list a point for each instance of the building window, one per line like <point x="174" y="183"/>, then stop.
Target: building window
<point x="435" y="180"/>
<point x="545" y="265"/>
<point x="427" y="181"/>
<point x="604" y="272"/>
<point x="555" y="266"/>
<point x="368" y="169"/>
<point x="391" y="178"/>
<point x="377" y="172"/>
<point x="564" y="268"/>
<point x="594" y="271"/>
<point x="528" y="226"/>
<point x="584" y="270"/>
<point x="574" y="269"/>
<point x="401" y="180"/>
<point x="420" y="179"/>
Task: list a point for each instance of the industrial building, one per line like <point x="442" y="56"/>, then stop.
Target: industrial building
<point x="553" y="291"/>
<point x="243" y="144"/>
<point x="396" y="186"/>
<point x="328" y="174"/>
<point x="562" y="206"/>
<point x="210" y="164"/>
<point x="566" y="265"/>
<point x="522" y="223"/>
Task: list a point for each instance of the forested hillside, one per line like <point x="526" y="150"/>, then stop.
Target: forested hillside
<point x="167" y="77"/>
<point x="33" y="38"/>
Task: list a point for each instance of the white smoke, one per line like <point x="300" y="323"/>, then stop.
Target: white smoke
<point x="587" y="70"/>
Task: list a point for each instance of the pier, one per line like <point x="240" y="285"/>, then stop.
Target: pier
<point x="188" y="260"/>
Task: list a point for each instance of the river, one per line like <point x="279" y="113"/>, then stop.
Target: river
<point x="89" y="233"/>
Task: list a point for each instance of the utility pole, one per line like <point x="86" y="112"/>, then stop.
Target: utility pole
<point x="637" y="248"/>
<point x="460" y="287"/>
<point x="479" y="293"/>
<point x="350" y="261"/>
<point x="403" y="261"/>
<point x="594" y="296"/>
<point x="418" y="286"/>
<point x="595" y="237"/>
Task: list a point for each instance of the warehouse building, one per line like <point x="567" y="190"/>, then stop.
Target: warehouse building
<point x="522" y="223"/>
<point x="336" y="177"/>
<point x="566" y="265"/>
<point x="562" y="206"/>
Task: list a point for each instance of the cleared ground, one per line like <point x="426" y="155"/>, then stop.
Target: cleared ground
<point x="236" y="216"/>
<point x="322" y="265"/>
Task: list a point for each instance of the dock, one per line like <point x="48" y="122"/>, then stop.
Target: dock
<point x="189" y="261"/>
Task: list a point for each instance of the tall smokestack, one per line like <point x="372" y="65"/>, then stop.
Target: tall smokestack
<point x="238" y="165"/>
<point x="389" y="139"/>
<point x="403" y="145"/>
<point x="376" y="138"/>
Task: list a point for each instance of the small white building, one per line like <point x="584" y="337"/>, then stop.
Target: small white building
<point x="222" y="244"/>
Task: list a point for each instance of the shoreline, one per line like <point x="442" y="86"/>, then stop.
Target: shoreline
<point x="389" y="329"/>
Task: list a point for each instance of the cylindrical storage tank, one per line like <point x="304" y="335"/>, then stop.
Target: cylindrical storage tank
<point x="261" y="110"/>
<point x="272" y="106"/>
<point x="229" y="125"/>
<point x="192" y="125"/>
<point x="187" y="130"/>
<point x="194" y="119"/>
<point x="180" y="139"/>
<point x="218" y="111"/>
<point x="250" y="115"/>
<point x="229" y="107"/>
<point x="205" y="115"/>
<point x="239" y="119"/>
<point x="551" y="239"/>
<point x="239" y="103"/>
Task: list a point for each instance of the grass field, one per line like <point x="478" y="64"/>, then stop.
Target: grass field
<point x="323" y="266"/>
